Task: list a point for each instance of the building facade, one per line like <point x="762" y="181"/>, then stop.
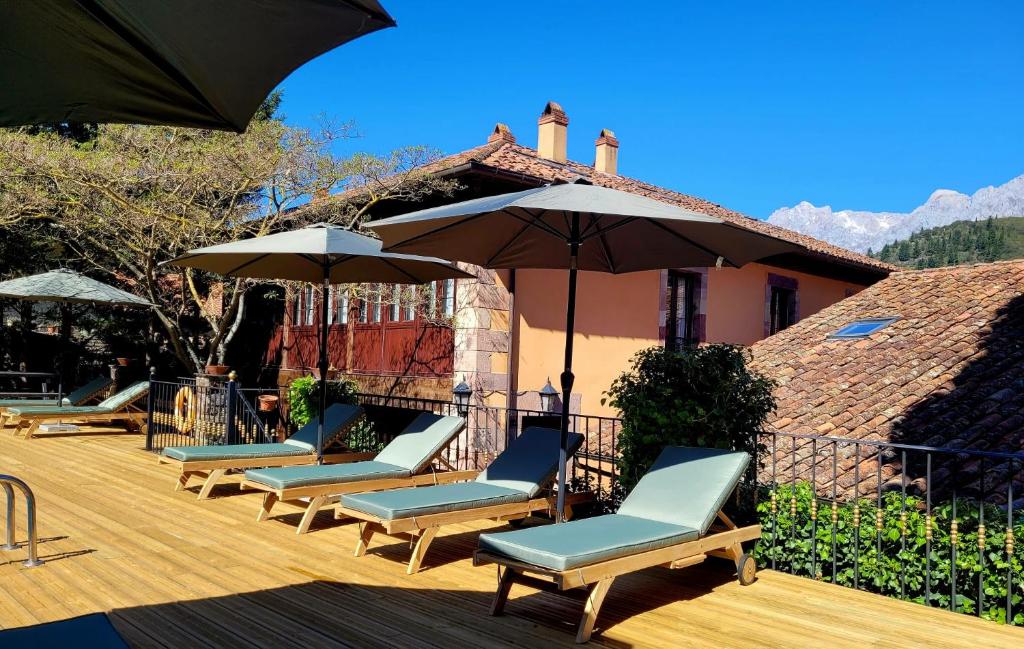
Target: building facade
<point x="504" y="332"/>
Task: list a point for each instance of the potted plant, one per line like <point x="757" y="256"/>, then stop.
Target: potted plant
<point x="267" y="402"/>
<point x="123" y="362"/>
<point x="217" y="370"/>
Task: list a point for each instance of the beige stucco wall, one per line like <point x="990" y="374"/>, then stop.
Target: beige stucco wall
<point x="736" y="300"/>
<point x="617" y="315"/>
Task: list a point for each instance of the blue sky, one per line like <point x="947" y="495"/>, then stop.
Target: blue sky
<point x="755" y="105"/>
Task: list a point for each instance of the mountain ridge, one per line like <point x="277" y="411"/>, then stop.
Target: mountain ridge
<point x="863" y="230"/>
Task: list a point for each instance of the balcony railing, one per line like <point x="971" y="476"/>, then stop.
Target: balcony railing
<point x="928" y="524"/>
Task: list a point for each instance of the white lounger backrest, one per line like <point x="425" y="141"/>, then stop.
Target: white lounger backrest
<point x="686" y="486"/>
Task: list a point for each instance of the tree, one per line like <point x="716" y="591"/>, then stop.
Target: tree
<point x="139" y="195"/>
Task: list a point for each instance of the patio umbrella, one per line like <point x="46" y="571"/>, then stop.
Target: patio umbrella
<point x="321" y="253"/>
<point x="187" y="63"/>
<point x="575" y="227"/>
<point x="67" y="287"/>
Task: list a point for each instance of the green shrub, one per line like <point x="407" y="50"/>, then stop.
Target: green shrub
<point x="705" y="396"/>
<point x="304" y="397"/>
<point x="878" y="558"/>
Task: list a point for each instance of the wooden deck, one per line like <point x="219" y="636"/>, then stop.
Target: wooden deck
<point x="173" y="572"/>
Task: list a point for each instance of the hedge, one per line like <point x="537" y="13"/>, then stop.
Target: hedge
<point x="882" y="565"/>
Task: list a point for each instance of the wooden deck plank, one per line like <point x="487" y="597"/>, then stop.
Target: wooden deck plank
<point x="174" y="572"/>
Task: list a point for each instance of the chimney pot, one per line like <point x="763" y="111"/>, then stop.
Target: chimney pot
<point x="502" y="133"/>
<point x="607" y="149"/>
<point x="552" y="133"/>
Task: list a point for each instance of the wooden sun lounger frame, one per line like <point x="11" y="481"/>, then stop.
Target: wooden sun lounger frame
<point x="330" y="493"/>
<point x="134" y="418"/>
<point x="424" y="528"/>
<point x="214" y="470"/>
<point x="725" y="541"/>
<point x="93" y="397"/>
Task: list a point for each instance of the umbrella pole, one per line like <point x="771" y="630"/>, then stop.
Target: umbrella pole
<point x="567" y="378"/>
<point x="324" y="311"/>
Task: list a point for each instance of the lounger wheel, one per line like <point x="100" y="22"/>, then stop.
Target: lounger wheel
<point x="746" y="569"/>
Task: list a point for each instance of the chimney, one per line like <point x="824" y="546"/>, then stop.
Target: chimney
<point x="552" y="130"/>
<point x="503" y="133"/>
<point x="607" y="160"/>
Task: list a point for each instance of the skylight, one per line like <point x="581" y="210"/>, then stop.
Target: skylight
<point x="862" y="328"/>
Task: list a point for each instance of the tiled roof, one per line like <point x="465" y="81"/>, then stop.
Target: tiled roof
<point x="515" y="157"/>
<point x="949" y="372"/>
<point x="502" y="153"/>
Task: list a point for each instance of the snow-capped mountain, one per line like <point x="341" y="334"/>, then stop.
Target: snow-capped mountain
<point x="860" y="230"/>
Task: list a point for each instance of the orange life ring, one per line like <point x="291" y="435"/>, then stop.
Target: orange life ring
<point x="185" y="410"/>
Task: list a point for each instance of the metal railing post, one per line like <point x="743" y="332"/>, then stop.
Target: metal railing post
<point x="11" y="544"/>
<point x="150" y="403"/>
<point x="230" y="432"/>
<point x="30" y="507"/>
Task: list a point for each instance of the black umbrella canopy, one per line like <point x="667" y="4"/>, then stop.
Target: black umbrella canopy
<point x="199" y="63"/>
<point x="575" y="227"/>
<point x="619" y="232"/>
<point x="304" y="255"/>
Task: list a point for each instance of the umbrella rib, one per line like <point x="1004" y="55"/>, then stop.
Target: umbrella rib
<point x="422" y="235"/>
<point x="534" y="221"/>
<point x="415" y="280"/>
<point x="151" y="55"/>
<point x="692" y="242"/>
<point x="599" y="232"/>
<point x="248" y="263"/>
<point x="526" y="227"/>
<point x="607" y="252"/>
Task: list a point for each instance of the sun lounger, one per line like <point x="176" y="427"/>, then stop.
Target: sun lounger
<point x="666" y="521"/>
<point x="83" y="395"/>
<point x="407" y="461"/>
<point x="509" y="489"/>
<point x="213" y="461"/>
<point x="119" y="407"/>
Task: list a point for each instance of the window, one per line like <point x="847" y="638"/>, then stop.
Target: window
<point x="409" y="312"/>
<point x="431" y="300"/>
<point x="364" y="307"/>
<point x="297" y="308"/>
<point x="448" y="298"/>
<point x="376" y="295"/>
<point x="681" y="310"/>
<point x="781" y="309"/>
<point x="862" y="328"/>
<point x="307" y="303"/>
<point x="396" y="303"/>
<point x="342" y="303"/>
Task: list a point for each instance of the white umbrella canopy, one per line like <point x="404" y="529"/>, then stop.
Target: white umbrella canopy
<point x="575" y="227"/>
<point x="303" y="255"/>
<point x="67" y="286"/>
<point x="618" y="232"/>
<point x="320" y="253"/>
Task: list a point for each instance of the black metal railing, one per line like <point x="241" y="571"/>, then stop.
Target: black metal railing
<point x="928" y="524"/>
<point x="191" y="412"/>
<point x="489" y="429"/>
<point x="185" y="412"/>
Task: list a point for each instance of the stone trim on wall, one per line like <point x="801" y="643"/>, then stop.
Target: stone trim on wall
<point x="780" y="281"/>
<point x="700" y="317"/>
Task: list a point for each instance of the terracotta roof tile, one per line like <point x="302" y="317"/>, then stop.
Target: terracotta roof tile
<point x="516" y="157"/>
<point x="919" y="380"/>
<point x="501" y="152"/>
